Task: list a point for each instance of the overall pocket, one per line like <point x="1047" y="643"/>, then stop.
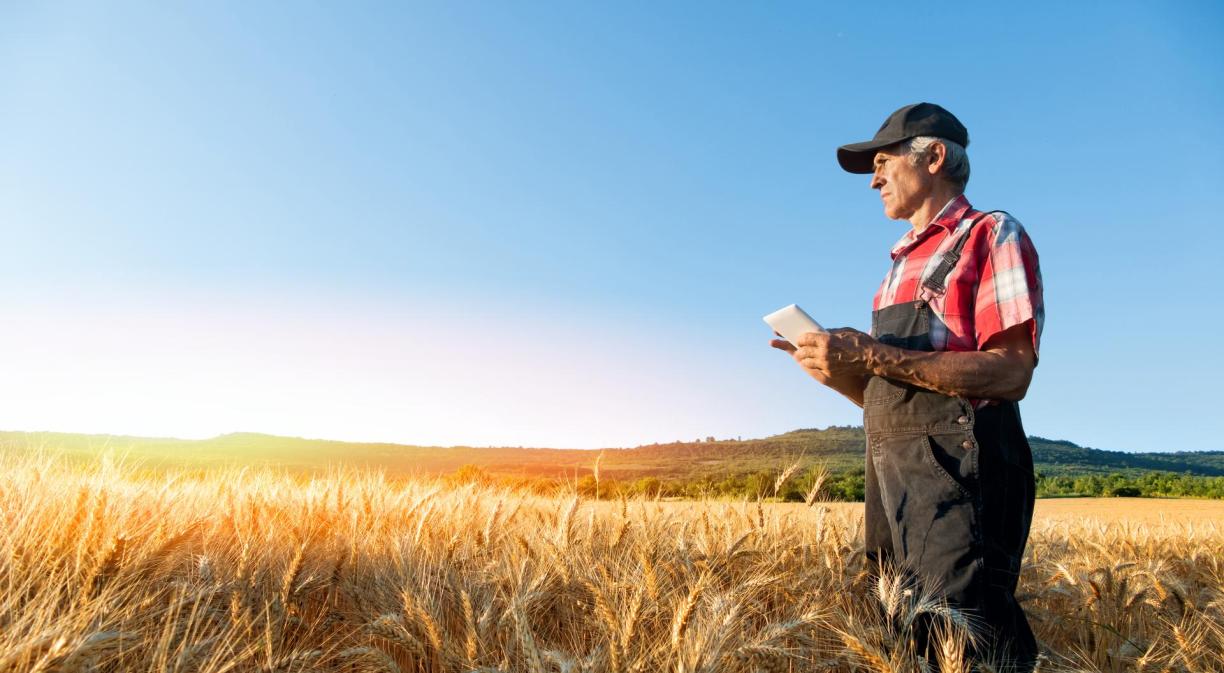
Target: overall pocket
<point x="954" y="462"/>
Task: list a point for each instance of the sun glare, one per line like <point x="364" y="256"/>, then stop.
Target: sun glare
<point x="200" y="371"/>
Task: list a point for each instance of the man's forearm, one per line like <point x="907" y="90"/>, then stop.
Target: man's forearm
<point x="976" y="374"/>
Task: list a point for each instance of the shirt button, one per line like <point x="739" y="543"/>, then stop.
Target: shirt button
<point x="963" y="420"/>
<point x="967" y="444"/>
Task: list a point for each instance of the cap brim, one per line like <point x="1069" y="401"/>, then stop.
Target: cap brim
<point x="858" y="157"/>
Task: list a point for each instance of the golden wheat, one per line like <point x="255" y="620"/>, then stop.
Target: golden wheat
<point x="105" y="569"/>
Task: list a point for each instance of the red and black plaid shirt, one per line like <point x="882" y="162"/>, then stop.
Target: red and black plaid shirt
<point x="995" y="285"/>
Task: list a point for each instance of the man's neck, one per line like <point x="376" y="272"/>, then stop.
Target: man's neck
<point x="934" y="202"/>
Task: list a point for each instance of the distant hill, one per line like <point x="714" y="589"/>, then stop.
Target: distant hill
<point x="839" y="447"/>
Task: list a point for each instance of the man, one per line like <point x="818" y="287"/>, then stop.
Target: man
<point x="954" y="339"/>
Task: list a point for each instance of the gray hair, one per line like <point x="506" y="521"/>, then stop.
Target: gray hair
<point x="956" y="159"/>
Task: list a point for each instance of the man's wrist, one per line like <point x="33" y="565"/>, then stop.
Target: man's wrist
<point x="875" y="362"/>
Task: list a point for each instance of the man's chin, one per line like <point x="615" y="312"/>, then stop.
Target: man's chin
<point x="895" y="213"/>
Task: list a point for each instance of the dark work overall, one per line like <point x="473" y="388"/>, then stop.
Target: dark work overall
<point x="949" y="492"/>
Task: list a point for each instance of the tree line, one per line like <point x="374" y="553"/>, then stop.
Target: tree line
<point x="816" y="482"/>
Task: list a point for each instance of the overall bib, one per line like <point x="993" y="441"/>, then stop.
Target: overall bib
<point x="949" y="488"/>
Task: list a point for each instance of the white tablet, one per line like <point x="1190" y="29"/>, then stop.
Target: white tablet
<point x="792" y="322"/>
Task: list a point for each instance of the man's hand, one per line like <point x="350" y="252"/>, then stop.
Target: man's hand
<point x="837" y="359"/>
<point x="836" y="354"/>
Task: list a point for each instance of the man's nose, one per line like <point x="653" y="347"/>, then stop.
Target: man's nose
<point x="877" y="181"/>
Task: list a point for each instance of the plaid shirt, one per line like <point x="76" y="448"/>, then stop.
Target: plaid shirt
<point x="995" y="285"/>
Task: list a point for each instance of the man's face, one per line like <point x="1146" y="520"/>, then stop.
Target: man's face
<point x="903" y="186"/>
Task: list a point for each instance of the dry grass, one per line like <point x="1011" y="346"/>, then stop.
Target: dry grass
<point x="255" y="571"/>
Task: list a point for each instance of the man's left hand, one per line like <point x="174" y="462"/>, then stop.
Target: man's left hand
<point x="838" y="353"/>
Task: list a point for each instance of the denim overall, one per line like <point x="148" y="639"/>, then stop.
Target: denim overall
<point x="949" y="488"/>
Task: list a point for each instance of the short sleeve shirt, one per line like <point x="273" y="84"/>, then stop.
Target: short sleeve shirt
<point x="995" y="285"/>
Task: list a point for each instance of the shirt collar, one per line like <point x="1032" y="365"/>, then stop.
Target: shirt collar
<point x="948" y="218"/>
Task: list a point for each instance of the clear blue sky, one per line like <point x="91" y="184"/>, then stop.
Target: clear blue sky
<point x="559" y="225"/>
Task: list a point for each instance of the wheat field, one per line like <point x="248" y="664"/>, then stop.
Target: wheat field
<point x="108" y="568"/>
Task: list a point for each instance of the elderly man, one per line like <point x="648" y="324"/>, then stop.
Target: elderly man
<point x="954" y="336"/>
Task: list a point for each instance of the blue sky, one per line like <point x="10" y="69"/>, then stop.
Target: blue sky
<point x="559" y="225"/>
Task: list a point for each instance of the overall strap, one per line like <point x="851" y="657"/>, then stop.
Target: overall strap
<point x="948" y="259"/>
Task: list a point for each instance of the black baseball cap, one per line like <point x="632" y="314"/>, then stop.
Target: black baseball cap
<point x="911" y="121"/>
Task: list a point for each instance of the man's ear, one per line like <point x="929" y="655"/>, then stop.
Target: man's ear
<point x="936" y="154"/>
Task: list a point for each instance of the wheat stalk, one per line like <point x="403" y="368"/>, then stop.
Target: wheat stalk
<point x="565" y="524"/>
<point x="595" y="471"/>
<point x="471" y="637"/>
<point x="526" y="641"/>
<point x="786" y="474"/>
<point x="107" y="567"/>
<point x="820" y="476"/>
<point x="684" y="614"/>
<point x="293" y="573"/>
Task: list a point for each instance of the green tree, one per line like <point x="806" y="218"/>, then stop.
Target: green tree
<point x="650" y="487"/>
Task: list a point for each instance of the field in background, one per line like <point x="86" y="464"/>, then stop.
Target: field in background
<point x="1173" y="514"/>
<point x="730" y="468"/>
<point x="1151" y="512"/>
<point x="252" y="570"/>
